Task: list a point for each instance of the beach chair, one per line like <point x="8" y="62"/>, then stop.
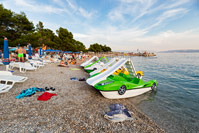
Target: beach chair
<point x="8" y="78"/>
<point x="5" y="88"/>
<point x="23" y="67"/>
<point x="1" y="63"/>
<point x="36" y="63"/>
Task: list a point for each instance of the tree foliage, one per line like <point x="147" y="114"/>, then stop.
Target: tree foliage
<point x="99" y="48"/>
<point x="13" y="25"/>
<point x="19" y="30"/>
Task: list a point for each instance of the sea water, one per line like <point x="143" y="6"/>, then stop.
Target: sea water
<point x="175" y="105"/>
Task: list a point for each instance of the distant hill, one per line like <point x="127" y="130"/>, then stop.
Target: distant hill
<point x="181" y="51"/>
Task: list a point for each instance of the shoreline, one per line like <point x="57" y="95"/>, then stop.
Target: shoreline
<point x="77" y="107"/>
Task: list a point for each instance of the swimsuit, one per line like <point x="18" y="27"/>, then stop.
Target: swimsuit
<point x="20" y="55"/>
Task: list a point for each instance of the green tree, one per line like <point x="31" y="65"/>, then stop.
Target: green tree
<point x="106" y="48"/>
<point x="13" y="25"/>
<point x="99" y="48"/>
<point x="19" y="30"/>
<point x="67" y="43"/>
<point x="95" y="48"/>
<point x="80" y="46"/>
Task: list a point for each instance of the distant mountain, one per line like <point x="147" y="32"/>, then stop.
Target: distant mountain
<point x="181" y="51"/>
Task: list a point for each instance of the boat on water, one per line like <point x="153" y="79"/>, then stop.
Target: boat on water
<point x="121" y="81"/>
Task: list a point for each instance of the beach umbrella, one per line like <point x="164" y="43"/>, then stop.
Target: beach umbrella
<point x="29" y="52"/>
<point x="67" y="51"/>
<point x="48" y="50"/>
<point x="40" y="52"/>
<point x="6" y="60"/>
<point x="33" y="51"/>
<point x="12" y="49"/>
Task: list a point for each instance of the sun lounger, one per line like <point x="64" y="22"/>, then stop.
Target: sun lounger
<point x="23" y="67"/>
<point x="5" y="88"/>
<point x="9" y="78"/>
<point x="36" y="63"/>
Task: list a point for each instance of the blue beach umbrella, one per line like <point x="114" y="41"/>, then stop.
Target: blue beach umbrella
<point x="12" y="49"/>
<point x="68" y="52"/>
<point x="33" y="51"/>
<point x="29" y="52"/>
<point x="40" y="52"/>
<point x="6" y="60"/>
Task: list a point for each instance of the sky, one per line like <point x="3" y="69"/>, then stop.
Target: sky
<point x="124" y="25"/>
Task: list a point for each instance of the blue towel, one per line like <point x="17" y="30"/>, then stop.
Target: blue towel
<point x="29" y="92"/>
<point x="74" y="78"/>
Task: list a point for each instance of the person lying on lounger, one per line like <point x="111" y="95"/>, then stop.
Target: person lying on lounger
<point x="73" y="62"/>
<point x="51" y="59"/>
<point x="62" y="64"/>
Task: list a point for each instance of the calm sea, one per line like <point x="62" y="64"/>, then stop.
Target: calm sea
<point x="175" y="105"/>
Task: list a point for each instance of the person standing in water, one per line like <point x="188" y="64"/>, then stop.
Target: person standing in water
<point x="20" y="54"/>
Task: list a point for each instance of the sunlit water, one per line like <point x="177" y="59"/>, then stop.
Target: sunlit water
<point x="175" y="106"/>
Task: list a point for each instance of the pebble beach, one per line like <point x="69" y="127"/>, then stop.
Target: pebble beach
<point x="77" y="107"/>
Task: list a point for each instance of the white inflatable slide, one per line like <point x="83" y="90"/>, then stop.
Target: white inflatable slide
<point x="94" y="58"/>
<point x="106" y="66"/>
<point x="102" y="76"/>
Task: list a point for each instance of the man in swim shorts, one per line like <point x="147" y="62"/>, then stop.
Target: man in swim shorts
<point x="20" y="54"/>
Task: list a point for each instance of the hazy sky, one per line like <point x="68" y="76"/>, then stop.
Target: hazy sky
<point x="121" y="24"/>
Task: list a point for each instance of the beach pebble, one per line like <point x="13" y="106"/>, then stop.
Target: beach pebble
<point x="77" y="107"/>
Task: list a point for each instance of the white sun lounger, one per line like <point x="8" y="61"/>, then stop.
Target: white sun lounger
<point x="9" y="78"/>
<point x="36" y="63"/>
<point x="5" y="88"/>
<point x="23" y="67"/>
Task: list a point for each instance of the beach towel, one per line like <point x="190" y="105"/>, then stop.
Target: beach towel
<point x="29" y="92"/>
<point x="118" y="113"/>
<point x="45" y="96"/>
<point x="75" y="69"/>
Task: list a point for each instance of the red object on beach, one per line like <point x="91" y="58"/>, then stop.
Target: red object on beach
<point x="45" y="96"/>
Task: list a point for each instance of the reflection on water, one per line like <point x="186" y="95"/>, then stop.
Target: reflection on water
<point x="149" y="96"/>
<point x="175" y="107"/>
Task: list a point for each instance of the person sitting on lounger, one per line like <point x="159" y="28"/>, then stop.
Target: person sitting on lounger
<point x="51" y="59"/>
<point x="62" y="63"/>
<point x="11" y="57"/>
<point x="73" y="62"/>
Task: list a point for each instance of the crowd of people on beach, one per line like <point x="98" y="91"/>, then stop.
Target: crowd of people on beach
<point x="20" y="54"/>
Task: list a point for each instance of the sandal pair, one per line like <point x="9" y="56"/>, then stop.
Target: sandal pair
<point x="49" y="89"/>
